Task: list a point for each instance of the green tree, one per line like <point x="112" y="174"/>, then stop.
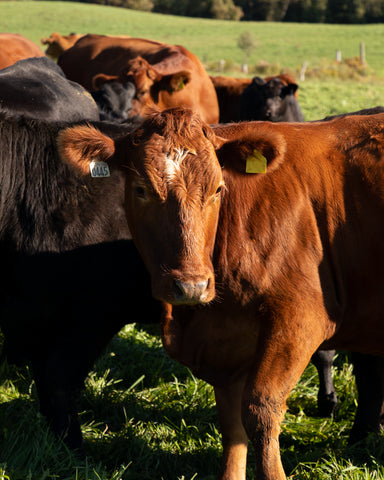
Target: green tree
<point x="345" y="11"/>
<point x="225" y="10"/>
<point x="247" y="43"/>
<point x="312" y="11"/>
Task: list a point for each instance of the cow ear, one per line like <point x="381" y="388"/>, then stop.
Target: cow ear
<point x="179" y="80"/>
<point x="101" y="78"/>
<point x="81" y="145"/>
<point x="258" y="81"/>
<point x="289" y="89"/>
<point x="253" y="154"/>
<point x="216" y="141"/>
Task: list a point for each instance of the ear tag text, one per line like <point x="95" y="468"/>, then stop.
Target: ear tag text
<point x="99" y="169"/>
<point x="256" y="163"/>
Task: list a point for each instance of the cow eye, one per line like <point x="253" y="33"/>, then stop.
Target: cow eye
<point x="218" y="190"/>
<point x="140" y="192"/>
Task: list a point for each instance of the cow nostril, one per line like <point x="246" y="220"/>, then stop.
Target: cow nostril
<point x="178" y="289"/>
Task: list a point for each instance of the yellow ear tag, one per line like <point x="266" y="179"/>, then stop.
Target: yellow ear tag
<point x="180" y="85"/>
<point x="256" y="163"/>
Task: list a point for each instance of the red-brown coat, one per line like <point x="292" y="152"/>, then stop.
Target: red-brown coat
<point x="57" y="43"/>
<point x="297" y="258"/>
<point x="14" y="47"/>
<point x="164" y="75"/>
<point x="229" y="90"/>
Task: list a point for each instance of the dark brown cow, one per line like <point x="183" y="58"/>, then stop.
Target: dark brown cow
<point x="298" y="260"/>
<point x="229" y="91"/>
<point x="14" y="47"/>
<point x="57" y="43"/>
<point x="164" y="75"/>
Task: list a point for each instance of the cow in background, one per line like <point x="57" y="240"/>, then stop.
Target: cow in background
<point x="272" y="100"/>
<point x="114" y="101"/>
<point x="14" y="47"/>
<point x="229" y="92"/>
<point x="294" y="270"/>
<point x="57" y="43"/>
<point x="163" y="75"/>
<point x="37" y="88"/>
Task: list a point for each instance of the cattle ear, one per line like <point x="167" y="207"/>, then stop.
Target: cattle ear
<point x="81" y="145"/>
<point x="289" y="89"/>
<point x="216" y="141"/>
<point x="258" y="81"/>
<point x="179" y="80"/>
<point x="253" y="155"/>
<point x="101" y="78"/>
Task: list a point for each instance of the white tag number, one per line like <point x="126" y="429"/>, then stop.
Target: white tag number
<point x="99" y="169"/>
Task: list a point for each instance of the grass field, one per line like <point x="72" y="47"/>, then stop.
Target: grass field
<point x="145" y="416"/>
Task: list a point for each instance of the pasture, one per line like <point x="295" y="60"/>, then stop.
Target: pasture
<point x="145" y="416"/>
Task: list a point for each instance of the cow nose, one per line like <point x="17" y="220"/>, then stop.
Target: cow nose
<point x="190" y="293"/>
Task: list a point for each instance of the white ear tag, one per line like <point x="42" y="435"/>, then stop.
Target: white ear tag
<point x="99" y="169"/>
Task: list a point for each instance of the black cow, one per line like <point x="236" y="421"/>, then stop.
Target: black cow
<point x="114" y="101"/>
<point x="71" y="277"/>
<point x="37" y="88"/>
<point x="271" y="100"/>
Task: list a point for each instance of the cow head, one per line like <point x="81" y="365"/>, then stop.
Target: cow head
<point x="57" y="43"/>
<point x="272" y="100"/>
<point x="173" y="195"/>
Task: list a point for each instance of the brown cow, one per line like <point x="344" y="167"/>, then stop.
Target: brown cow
<point x="14" y="47"/>
<point x="229" y="91"/>
<point x="164" y="75"/>
<point x="298" y="258"/>
<point x="57" y="43"/>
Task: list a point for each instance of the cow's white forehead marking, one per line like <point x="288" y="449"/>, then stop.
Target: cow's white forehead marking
<point x="173" y="161"/>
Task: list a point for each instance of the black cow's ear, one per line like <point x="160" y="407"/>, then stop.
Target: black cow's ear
<point x="252" y="155"/>
<point x="289" y="89"/>
<point x="86" y="149"/>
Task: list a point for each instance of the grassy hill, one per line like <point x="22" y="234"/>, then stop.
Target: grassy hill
<point x="285" y="44"/>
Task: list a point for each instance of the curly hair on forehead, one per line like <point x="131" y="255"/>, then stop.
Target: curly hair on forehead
<point x="178" y="126"/>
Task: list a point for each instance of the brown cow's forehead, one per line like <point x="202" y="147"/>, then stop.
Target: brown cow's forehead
<point x="182" y="169"/>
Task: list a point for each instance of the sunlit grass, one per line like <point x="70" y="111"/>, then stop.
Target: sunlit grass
<point x="147" y="417"/>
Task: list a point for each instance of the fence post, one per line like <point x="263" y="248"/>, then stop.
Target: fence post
<point x="338" y="56"/>
<point x="302" y="71"/>
<point x="362" y="53"/>
<point x="221" y="65"/>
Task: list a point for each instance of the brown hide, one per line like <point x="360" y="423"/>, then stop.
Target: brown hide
<point x="297" y="258"/>
<point x="57" y="43"/>
<point x="229" y="89"/>
<point x="174" y="76"/>
<point x="14" y="47"/>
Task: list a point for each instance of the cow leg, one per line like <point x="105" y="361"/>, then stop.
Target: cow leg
<point x="369" y="374"/>
<point x="326" y="398"/>
<point x="59" y="396"/>
<point x="281" y="361"/>
<point x="234" y="437"/>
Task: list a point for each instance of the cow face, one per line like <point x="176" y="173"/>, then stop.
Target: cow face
<point x="273" y="100"/>
<point x="174" y="184"/>
<point x="151" y="84"/>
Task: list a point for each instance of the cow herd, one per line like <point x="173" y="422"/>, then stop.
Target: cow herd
<point x="205" y="203"/>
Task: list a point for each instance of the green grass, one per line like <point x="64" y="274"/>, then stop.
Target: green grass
<point x="285" y="44"/>
<point x="146" y="417"/>
<point x="143" y="415"/>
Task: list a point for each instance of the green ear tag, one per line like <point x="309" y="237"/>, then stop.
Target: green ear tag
<point x="256" y="163"/>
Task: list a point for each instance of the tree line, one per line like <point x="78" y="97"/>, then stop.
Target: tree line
<point x="312" y="11"/>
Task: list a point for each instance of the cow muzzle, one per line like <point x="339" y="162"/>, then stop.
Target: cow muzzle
<point x="192" y="292"/>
